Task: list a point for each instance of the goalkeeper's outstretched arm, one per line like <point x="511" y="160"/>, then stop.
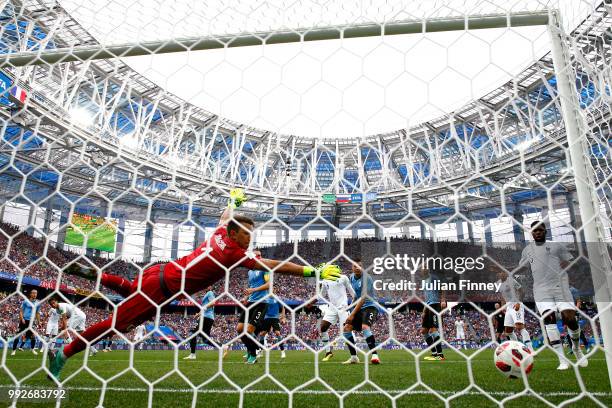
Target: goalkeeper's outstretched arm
<point x="330" y="272"/>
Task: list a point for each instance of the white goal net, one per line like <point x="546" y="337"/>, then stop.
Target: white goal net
<point x="141" y="141"/>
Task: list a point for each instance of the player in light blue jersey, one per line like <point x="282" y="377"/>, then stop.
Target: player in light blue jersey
<point x="255" y="307"/>
<point x="274" y="317"/>
<point x="29" y="315"/>
<point x="434" y="303"/>
<point x="208" y="314"/>
<point x="363" y="314"/>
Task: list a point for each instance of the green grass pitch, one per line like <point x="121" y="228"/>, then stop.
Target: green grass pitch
<point x="171" y="387"/>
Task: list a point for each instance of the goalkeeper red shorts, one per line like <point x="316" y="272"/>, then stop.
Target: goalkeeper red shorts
<point x="142" y="302"/>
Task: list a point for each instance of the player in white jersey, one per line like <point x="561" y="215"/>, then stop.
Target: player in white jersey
<point x="512" y="293"/>
<point x="139" y="334"/>
<point x="548" y="261"/>
<point x="460" y="332"/>
<point x="52" y="328"/>
<point x="71" y="318"/>
<point x="336" y="308"/>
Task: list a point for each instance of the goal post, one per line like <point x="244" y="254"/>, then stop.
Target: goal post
<point x="599" y="255"/>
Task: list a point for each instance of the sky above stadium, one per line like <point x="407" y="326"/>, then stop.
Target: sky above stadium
<point x="348" y="88"/>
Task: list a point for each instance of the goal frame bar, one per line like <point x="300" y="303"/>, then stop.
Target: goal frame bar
<point x="99" y="51"/>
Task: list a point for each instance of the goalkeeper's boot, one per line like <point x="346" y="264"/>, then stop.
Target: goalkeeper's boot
<point x="56" y="362"/>
<point x="352" y="360"/>
<point x="81" y="271"/>
<point x="375" y="359"/>
<point x="581" y="358"/>
<point x="34" y="352"/>
<point x="283" y="355"/>
<point x="431" y="358"/>
<point x="190" y="357"/>
<point x="251" y="359"/>
<point x="440" y="357"/>
<point x="328" y="356"/>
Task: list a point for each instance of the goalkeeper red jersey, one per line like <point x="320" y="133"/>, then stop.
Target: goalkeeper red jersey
<point x="208" y="263"/>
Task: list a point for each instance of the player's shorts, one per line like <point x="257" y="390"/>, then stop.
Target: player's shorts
<point x="514" y="317"/>
<point x="430" y="319"/>
<point x="365" y="316"/>
<point x="25" y="329"/>
<point x="461" y="335"/>
<point x="256" y="313"/>
<point x="207" y="325"/>
<point x="270" y="323"/>
<point x="333" y="315"/>
<point x="554" y="306"/>
<point x="77" y="322"/>
<point x="554" y="300"/>
<point x="52" y="329"/>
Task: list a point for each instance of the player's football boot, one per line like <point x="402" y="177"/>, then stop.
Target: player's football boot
<point x="375" y="359"/>
<point x="225" y="351"/>
<point x="251" y="359"/>
<point x="190" y="357"/>
<point x="283" y="355"/>
<point x="563" y="366"/>
<point x="14" y="352"/>
<point x="430" y="358"/>
<point x="328" y="356"/>
<point x="440" y="358"/>
<point x="352" y="360"/>
<point x="580" y="358"/>
<point x="56" y="362"/>
<point x="34" y="352"/>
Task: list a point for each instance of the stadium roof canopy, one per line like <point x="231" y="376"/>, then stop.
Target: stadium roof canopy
<point x="334" y="89"/>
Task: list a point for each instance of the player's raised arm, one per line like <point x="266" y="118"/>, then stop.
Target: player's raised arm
<point x="348" y="286"/>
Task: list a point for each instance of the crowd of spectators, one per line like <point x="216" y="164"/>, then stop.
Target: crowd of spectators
<point x="35" y="258"/>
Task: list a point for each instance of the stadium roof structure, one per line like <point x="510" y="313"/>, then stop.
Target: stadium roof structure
<point x="97" y="132"/>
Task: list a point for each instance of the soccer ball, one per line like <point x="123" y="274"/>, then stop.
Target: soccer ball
<point x="513" y="359"/>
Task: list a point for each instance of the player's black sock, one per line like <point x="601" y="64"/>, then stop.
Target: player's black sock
<point x="192" y="344"/>
<point x="429" y="340"/>
<point x="281" y="346"/>
<point x="32" y="343"/>
<point x="350" y="340"/>
<point x="15" y="342"/>
<point x="369" y="338"/>
<point x="435" y="336"/>
<point x="249" y="344"/>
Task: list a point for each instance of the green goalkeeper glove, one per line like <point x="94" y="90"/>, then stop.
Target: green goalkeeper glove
<point x="327" y="272"/>
<point x="237" y="197"/>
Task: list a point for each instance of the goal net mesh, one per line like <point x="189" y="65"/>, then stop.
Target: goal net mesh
<point x="125" y="125"/>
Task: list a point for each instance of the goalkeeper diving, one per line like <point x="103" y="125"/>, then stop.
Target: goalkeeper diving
<point x="226" y="249"/>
